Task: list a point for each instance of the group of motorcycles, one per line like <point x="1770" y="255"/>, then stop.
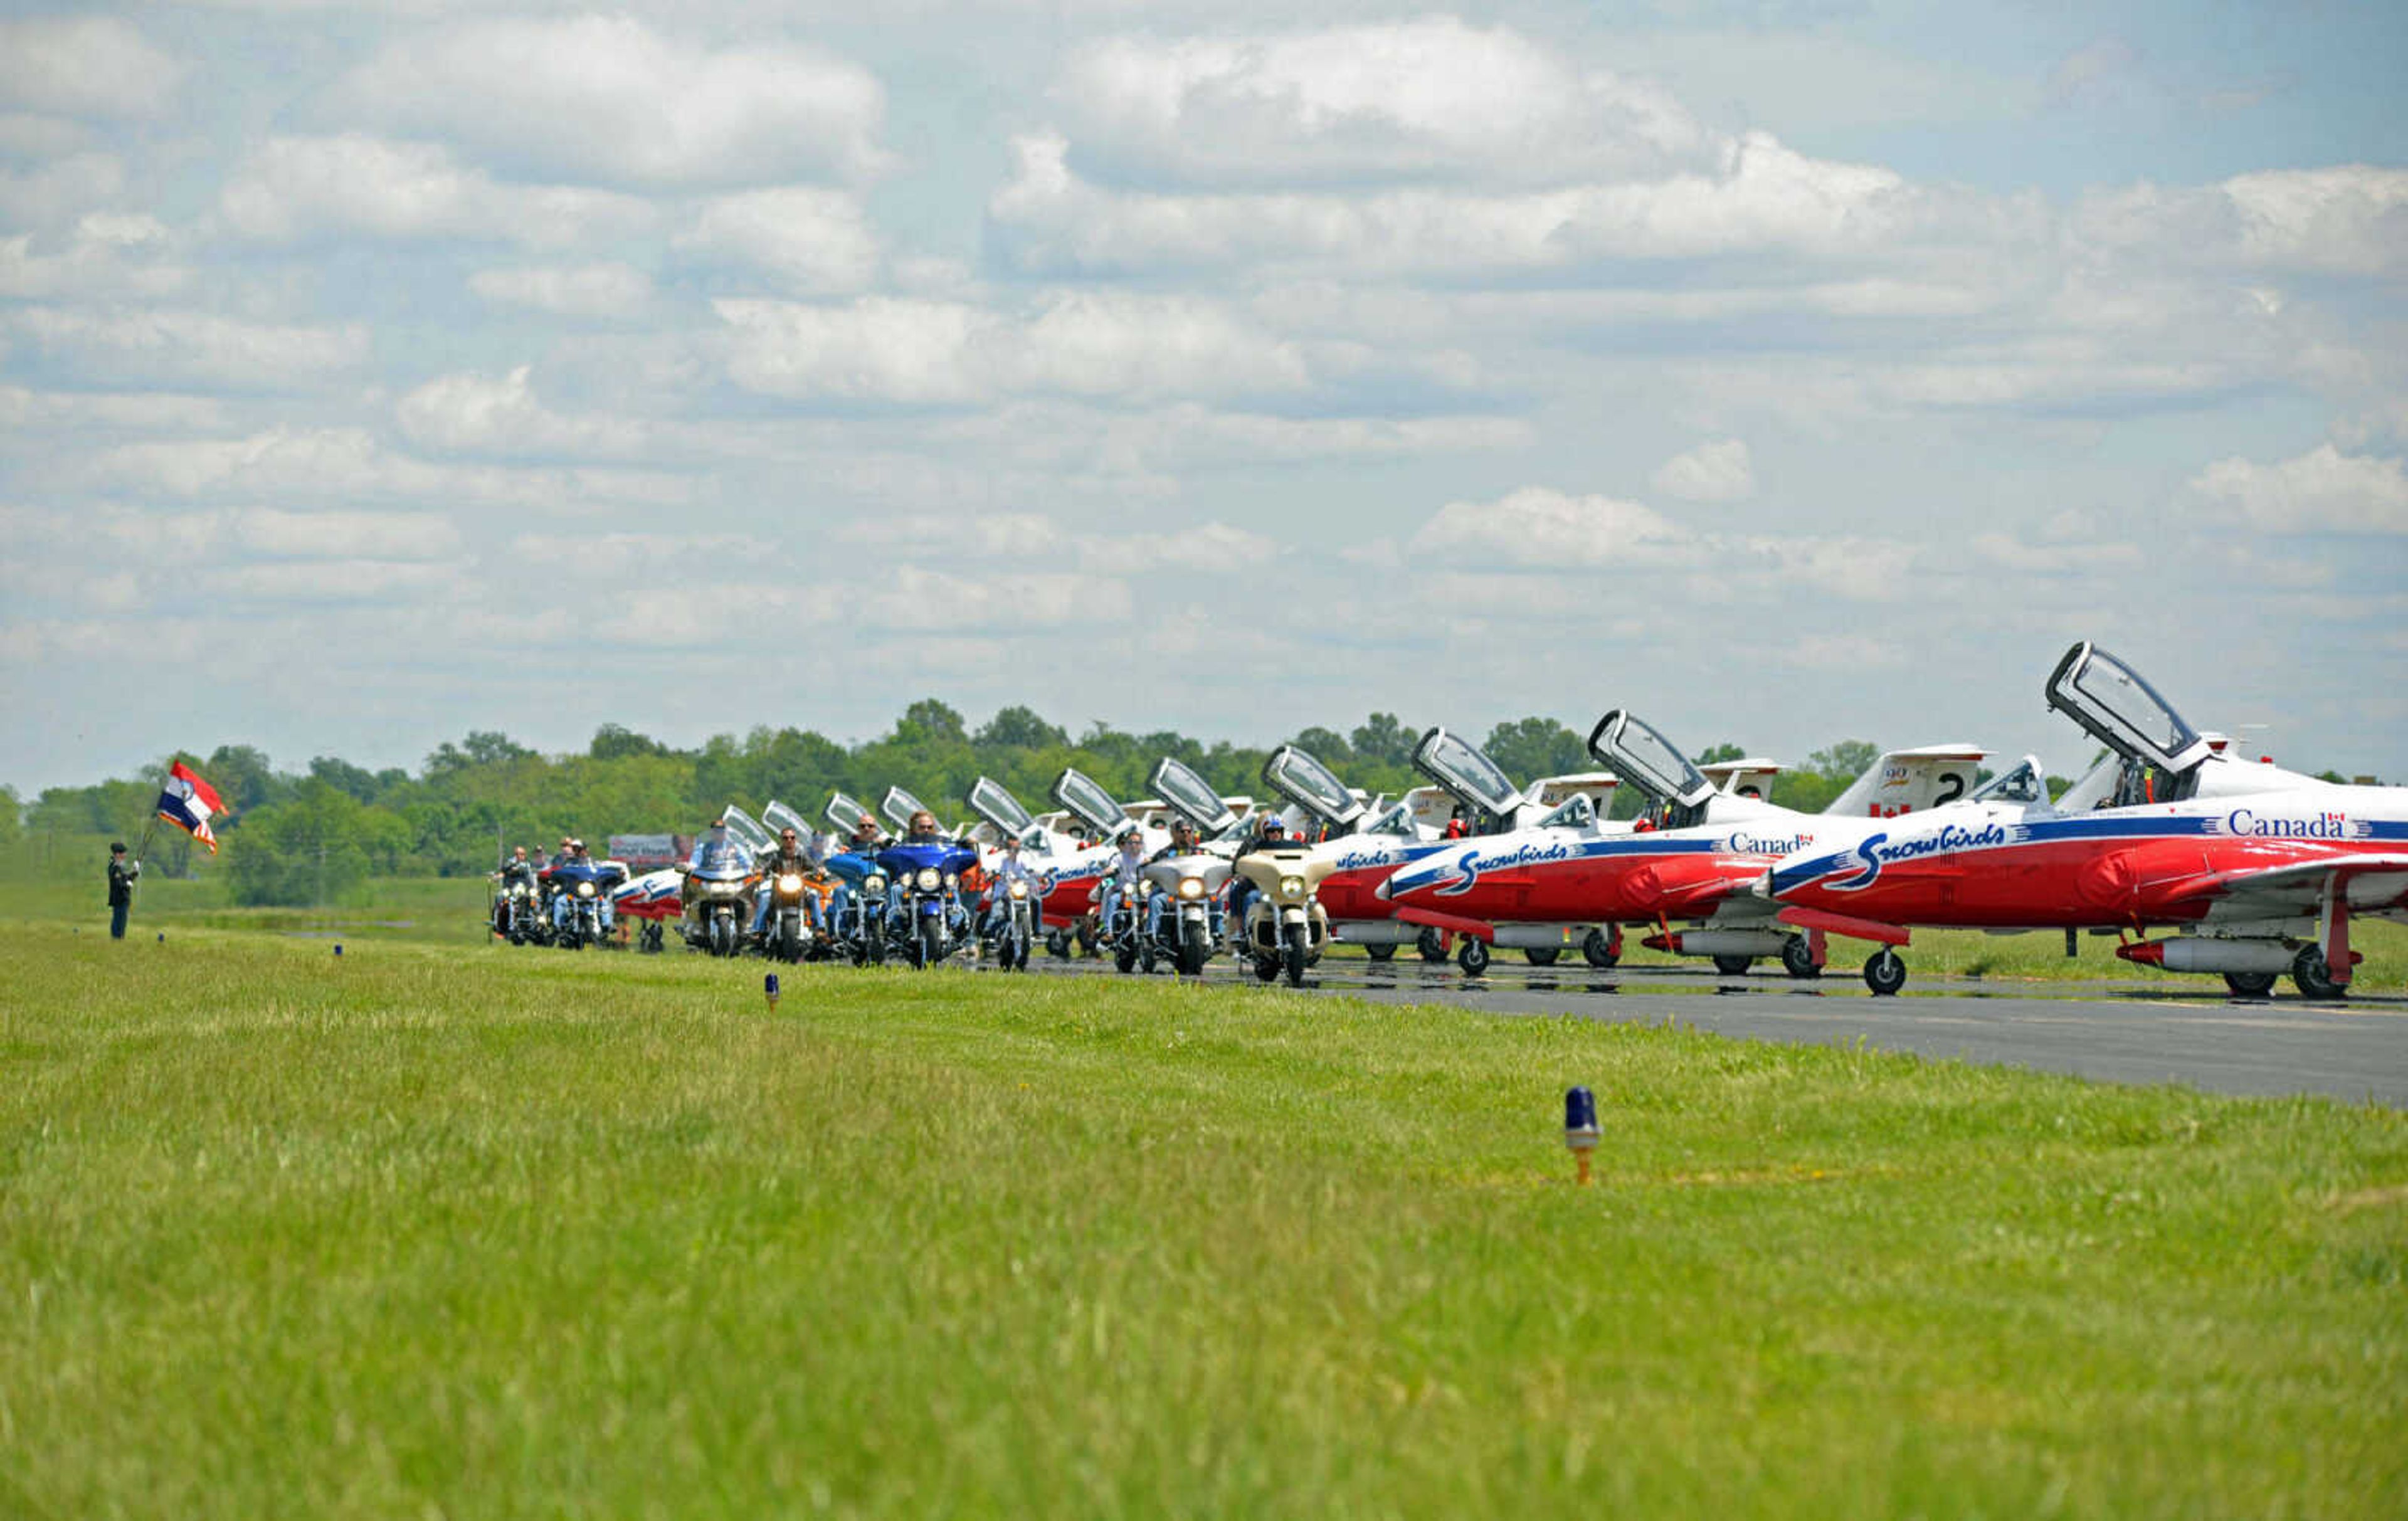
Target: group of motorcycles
<point x="2240" y="868"/>
<point x="562" y="905"/>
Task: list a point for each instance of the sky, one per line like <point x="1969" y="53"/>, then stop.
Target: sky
<point x="1780" y="372"/>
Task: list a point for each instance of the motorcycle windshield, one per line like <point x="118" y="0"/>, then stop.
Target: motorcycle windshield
<point x="1302" y="780"/>
<point x="721" y="860"/>
<point x="844" y="814"/>
<point x="992" y="802"/>
<point x="1192" y="797"/>
<point x="2121" y="710"/>
<point x="901" y="862"/>
<point x="1647" y="760"/>
<point x="1463" y="770"/>
<point x="1080" y="794"/>
<point x="900" y="806"/>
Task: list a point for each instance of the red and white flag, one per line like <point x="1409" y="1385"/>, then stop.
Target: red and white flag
<point x="187" y="801"/>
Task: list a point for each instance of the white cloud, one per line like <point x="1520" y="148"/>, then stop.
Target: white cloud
<point x="608" y="99"/>
<point x="936" y="602"/>
<point x="290" y="187"/>
<point x="1112" y="344"/>
<point x="468" y="413"/>
<point x="2322" y="491"/>
<point x="85" y="66"/>
<point x="191" y="346"/>
<point x="814" y="241"/>
<point x="1540" y="528"/>
<point x="345" y="535"/>
<point x="594" y="290"/>
<point x="55" y="190"/>
<point x="2055" y="559"/>
<point x="1402" y="99"/>
<point x="333" y="581"/>
<point x="335" y="465"/>
<point x="2345" y="219"/>
<point x="1759" y="196"/>
<point x="108" y="255"/>
<point x="1718" y="470"/>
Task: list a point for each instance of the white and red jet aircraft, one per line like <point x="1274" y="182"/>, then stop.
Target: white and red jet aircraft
<point x="1066" y="872"/>
<point x="1697" y="856"/>
<point x="2260" y="868"/>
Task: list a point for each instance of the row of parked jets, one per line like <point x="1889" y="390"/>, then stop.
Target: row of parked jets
<point x="2197" y="859"/>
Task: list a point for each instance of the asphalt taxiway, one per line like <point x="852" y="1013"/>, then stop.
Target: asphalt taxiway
<point x="2182" y="1030"/>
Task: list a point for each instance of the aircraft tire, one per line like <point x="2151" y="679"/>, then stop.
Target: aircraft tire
<point x="1380" y="953"/>
<point x="1541" y="955"/>
<point x="1733" y="965"/>
<point x="1885" y="974"/>
<point x="2249" y="984"/>
<point x="1798" y="957"/>
<point x="1431" y="943"/>
<point x="2313" y="978"/>
<point x="1599" y="951"/>
<point x="1472" y="956"/>
<point x="1057" y="945"/>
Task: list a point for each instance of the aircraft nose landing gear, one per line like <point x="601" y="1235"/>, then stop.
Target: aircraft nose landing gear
<point x="1885" y="974"/>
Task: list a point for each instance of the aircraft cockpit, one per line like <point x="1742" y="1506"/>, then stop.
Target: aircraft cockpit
<point x="1302" y="780"/>
<point x="2162" y="753"/>
<point x="2023" y="784"/>
<point x="1676" y="790"/>
<point x="1486" y="794"/>
<point x="1577" y="812"/>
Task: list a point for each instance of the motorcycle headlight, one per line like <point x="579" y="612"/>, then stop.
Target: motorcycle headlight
<point x="951" y="882"/>
<point x="585" y="889"/>
<point x="873" y="884"/>
<point x="1020" y="889"/>
<point x="1191" y="887"/>
<point x="790" y="883"/>
<point x="928" y="879"/>
<point x="1291" y="887"/>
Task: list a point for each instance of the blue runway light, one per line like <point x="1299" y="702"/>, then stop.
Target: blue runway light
<point x="1579" y="1127"/>
<point x="769" y="989"/>
<point x="338" y="948"/>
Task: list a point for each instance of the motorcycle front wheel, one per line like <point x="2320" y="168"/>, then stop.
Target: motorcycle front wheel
<point x="1297" y="937"/>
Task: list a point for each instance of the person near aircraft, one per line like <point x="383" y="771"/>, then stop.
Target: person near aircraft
<point x="1009" y="868"/>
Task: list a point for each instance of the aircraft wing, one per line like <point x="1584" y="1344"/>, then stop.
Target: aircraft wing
<point x="2375" y="882"/>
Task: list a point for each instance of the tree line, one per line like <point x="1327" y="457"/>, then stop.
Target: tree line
<point x="307" y="835"/>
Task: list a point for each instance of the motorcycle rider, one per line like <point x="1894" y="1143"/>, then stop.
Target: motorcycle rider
<point x="517" y="870"/>
<point x="575" y="856"/>
<point x="1009" y="868"/>
<point x="865" y="842"/>
<point x="787" y="855"/>
<point x="1271" y="836"/>
<point x="1127" y="868"/>
<point x="1183" y="842"/>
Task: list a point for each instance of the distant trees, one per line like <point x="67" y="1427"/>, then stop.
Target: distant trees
<point x="1530" y="748"/>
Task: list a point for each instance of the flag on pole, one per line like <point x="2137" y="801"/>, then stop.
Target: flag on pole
<point x="187" y="801"/>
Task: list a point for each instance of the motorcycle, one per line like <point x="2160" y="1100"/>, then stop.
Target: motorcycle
<point x="1286" y="927"/>
<point x="717" y="897"/>
<point x="1120" y="921"/>
<point x="1189" y="932"/>
<point x="1018" y="928"/>
<point x="928" y="878"/>
<point x="788" y="936"/>
<point x="515" y="916"/>
<point x="587" y="886"/>
<point x="858" y="924"/>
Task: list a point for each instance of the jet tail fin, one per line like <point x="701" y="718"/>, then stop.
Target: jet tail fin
<point x="1906" y="780"/>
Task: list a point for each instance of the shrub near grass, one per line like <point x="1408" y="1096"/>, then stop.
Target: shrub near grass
<point x="414" y="1233"/>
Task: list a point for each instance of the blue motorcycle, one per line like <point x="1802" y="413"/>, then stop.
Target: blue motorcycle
<point x="581" y="901"/>
<point x="927" y="892"/>
<point x="858" y="920"/>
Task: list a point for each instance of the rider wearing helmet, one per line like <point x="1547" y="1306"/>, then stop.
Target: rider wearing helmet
<point x="1183" y="842"/>
<point x="1272" y="835"/>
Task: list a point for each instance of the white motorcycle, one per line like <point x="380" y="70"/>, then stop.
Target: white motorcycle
<point x="1286" y="927"/>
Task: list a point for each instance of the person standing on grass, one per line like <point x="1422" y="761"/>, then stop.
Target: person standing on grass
<point x="121" y="888"/>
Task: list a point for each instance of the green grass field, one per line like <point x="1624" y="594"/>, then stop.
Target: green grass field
<point x="433" y="1230"/>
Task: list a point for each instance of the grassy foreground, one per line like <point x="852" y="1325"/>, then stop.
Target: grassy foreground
<point x="425" y="1231"/>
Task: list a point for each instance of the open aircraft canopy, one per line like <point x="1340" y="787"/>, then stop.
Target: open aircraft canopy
<point x="744" y="827"/>
<point x="1297" y="777"/>
<point x="844" y="814"/>
<point x="1079" y="793"/>
<point x="1462" y="770"/>
<point x="780" y="818"/>
<point x="2121" y="710"/>
<point x="992" y="802"/>
<point x="1647" y="760"/>
<point x="1191" y="797"/>
<point x="900" y="806"/>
